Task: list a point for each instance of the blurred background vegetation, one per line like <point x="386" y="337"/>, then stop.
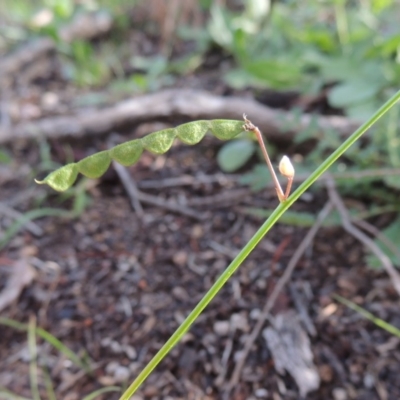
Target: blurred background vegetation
<point x="332" y="57"/>
<point x="321" y="57"/>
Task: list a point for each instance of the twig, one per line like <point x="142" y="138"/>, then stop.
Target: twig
<point x="219" y="199"/>
<point x="137" y="196"/>
<point x="183" y="103"/>
<point x="274" y="295"/>
<point x="168" y="205"/>
<point x="130" y="187"/>
<point x="224" y="361"/>
<point x="188" y="180"/>
<point x="361" y="236"/>
<point x="379" y="235"/>
<point x="30" y="226"/>
<point x="250" y="127"/>
<point x="301" y="309"/>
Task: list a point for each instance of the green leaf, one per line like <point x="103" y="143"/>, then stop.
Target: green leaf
<point x="392" y="232"/>
<point x="238" y="78"/>
<point x="361" y="111"/>
<point x="219" y="27"/>
<point x="351" y="92"/>
<point x="258" y="178"/>
<point x="235" y="154"/>
<point x="277" y="73"/>
<point x="5" y="158"/>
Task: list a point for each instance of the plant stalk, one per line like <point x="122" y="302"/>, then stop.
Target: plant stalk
<point x="235" y="264"/>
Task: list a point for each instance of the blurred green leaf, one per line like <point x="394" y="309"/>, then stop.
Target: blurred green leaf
<point x="362" y="111"/>
<point x="234" y="154"/>
<point x="258" y="178"/>
<point x="276" y="73"/>
<point x="5" y="158"/>
<point x="392" y="232"/>
<point x="220" y="27"/>
<point x="352" y="92"/>
<point x="63" y="8"/>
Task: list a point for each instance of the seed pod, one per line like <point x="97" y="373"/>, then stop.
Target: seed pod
<point x="128" y="153"/>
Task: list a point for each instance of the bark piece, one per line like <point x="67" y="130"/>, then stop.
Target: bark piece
<point x="22" y="274"/>
<point x="291" y="351"/>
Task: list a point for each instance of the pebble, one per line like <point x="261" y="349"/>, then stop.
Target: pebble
<point x="121" y="374"/>
<point x="239" y="321"/>
<point x="261" y="393"/>
<point x="339" y="394"/>
<point x="180" y="293"/>
<point x="222" y="328"/>
<point x="130" y="352"/>
<point x="369" y="381"/>
<point x="180" y="258"/>
<point x="255" y="313"/>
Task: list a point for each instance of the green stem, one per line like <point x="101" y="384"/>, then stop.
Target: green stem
<point x="230" y="270"/>
<point x="366" y="314"/>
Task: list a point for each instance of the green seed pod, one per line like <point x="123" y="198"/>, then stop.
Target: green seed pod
<point x="61" y="179"/>
<point x="127" y="153"/>
<point x="224" y="129"/>
<point x="192" y="132"/>
<point x="94" y="166"/>
<point x="159" y="142"/>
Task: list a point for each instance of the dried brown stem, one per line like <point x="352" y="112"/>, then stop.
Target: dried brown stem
<point x="250" y="127"/>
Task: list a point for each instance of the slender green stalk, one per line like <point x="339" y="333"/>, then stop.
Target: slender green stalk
<point x="230" y="270"/>
<point x="98" y="392"/>
<point x="51" y="395"/>
<point x="29" y="216"/>
<point x="49" y="338"/>
<point x="366" y="314"/>
<point x="6" y="394"/>
<point x="33" y="370"/>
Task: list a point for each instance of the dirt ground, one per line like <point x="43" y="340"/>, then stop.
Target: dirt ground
<point x="116" y="287"/>
<point x="113" y="285"/>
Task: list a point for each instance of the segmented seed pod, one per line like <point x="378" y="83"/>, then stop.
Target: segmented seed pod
<point x="128" y="153"/>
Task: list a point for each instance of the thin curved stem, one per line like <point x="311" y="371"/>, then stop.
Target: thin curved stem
<point x="235" y="264"/>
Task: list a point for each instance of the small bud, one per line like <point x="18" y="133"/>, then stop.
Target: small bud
<point x="286" y="167"/>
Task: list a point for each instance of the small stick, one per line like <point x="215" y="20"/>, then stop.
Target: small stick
<point x="285" y="166"/>
<point x="249" y="127"/>
<point x="130" y="187"/>
<point x="361" y="236"/>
